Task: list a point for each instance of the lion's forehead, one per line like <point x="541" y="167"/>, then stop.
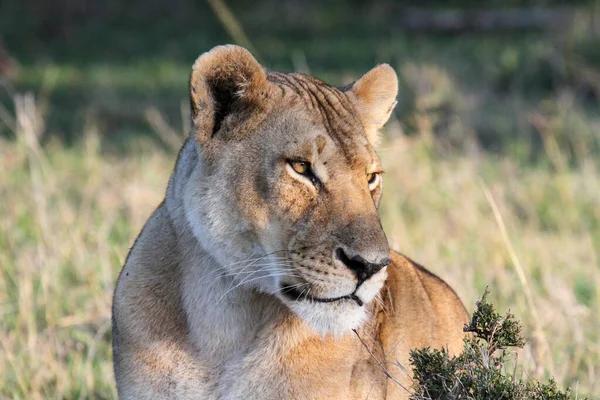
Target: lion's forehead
<point x="329" y="108"/>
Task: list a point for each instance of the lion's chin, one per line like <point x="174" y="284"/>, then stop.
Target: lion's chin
<point x="335" y="318"/>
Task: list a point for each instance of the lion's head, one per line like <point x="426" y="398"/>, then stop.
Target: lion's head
<point x="286" y="192"/>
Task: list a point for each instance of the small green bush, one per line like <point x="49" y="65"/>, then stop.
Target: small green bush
<point x="478" y="373"/>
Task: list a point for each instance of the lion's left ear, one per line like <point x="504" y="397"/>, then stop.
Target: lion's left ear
<point x="375" y="95"/>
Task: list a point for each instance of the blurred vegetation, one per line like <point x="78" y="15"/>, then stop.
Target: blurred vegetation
<point x="491" y="157"/>
<point x="113" y="60"/>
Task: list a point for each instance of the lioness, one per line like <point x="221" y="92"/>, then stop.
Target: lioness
<point x="249" y="278"/>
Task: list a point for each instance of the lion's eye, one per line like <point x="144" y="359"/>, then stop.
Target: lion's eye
<point x="300" y="167"/>
<point x="373" y="180"/>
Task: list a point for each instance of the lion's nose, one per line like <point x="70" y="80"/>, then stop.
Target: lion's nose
<point x="362" y="268"/>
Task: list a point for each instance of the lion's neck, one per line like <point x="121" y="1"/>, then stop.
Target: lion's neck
<point x="223" y="318"/>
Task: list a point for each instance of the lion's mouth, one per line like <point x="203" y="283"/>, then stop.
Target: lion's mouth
<point x="294" y="294"/>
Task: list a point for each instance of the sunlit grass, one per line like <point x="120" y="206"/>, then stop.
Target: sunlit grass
<point x="68" y="216"/>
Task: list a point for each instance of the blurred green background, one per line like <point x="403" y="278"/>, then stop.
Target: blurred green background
<point x="115" y="59"/>
<point x="492" y="158"/>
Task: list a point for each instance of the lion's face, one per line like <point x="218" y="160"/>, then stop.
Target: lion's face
<point x="286" y="199"/>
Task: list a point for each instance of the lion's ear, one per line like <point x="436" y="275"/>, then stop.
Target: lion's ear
<point x="375" y="95"/>
<point x="226" y="81"/>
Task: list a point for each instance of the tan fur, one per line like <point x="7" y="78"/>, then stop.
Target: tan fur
<point x="248" y="280"/>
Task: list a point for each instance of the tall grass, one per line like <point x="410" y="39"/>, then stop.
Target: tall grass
<point x="67" y="218"/>
<point x="68" y="215"/>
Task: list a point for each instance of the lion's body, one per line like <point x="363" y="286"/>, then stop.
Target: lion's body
<point x="187" y="324"/>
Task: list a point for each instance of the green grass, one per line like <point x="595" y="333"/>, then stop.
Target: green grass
<point x="491" y="176"/>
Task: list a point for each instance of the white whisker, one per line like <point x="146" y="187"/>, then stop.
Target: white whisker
<point x="235" y="277"/>
<point x="233" y="273"/>
<point x="250" y="280"/>
<point x="297" y="285"/>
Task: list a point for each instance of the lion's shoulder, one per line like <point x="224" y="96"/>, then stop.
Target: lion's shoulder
<point x="423" y="300"/>
<point x="420" y="310"/>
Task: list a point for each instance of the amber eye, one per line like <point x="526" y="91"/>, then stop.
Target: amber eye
<point x="301" y="167"/>
<point x="373" y="180"/>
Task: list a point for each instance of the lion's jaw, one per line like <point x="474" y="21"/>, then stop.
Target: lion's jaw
<point x="339" y="316"/>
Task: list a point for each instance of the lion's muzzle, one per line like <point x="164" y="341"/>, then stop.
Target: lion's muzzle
<point x="362" y="268"/>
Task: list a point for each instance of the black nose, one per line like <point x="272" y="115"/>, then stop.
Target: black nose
<point x="362" y="268"/>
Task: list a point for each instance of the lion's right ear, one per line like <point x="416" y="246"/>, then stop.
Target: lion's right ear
<point x="376" y="94"/>
<point x="226" y="81"/>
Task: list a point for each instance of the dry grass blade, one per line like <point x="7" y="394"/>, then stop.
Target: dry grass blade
<point x="232" y="25"/>
<point x="381" y="366"/>
<point x="164" y="131"/>
<point x="539" y="332"/>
